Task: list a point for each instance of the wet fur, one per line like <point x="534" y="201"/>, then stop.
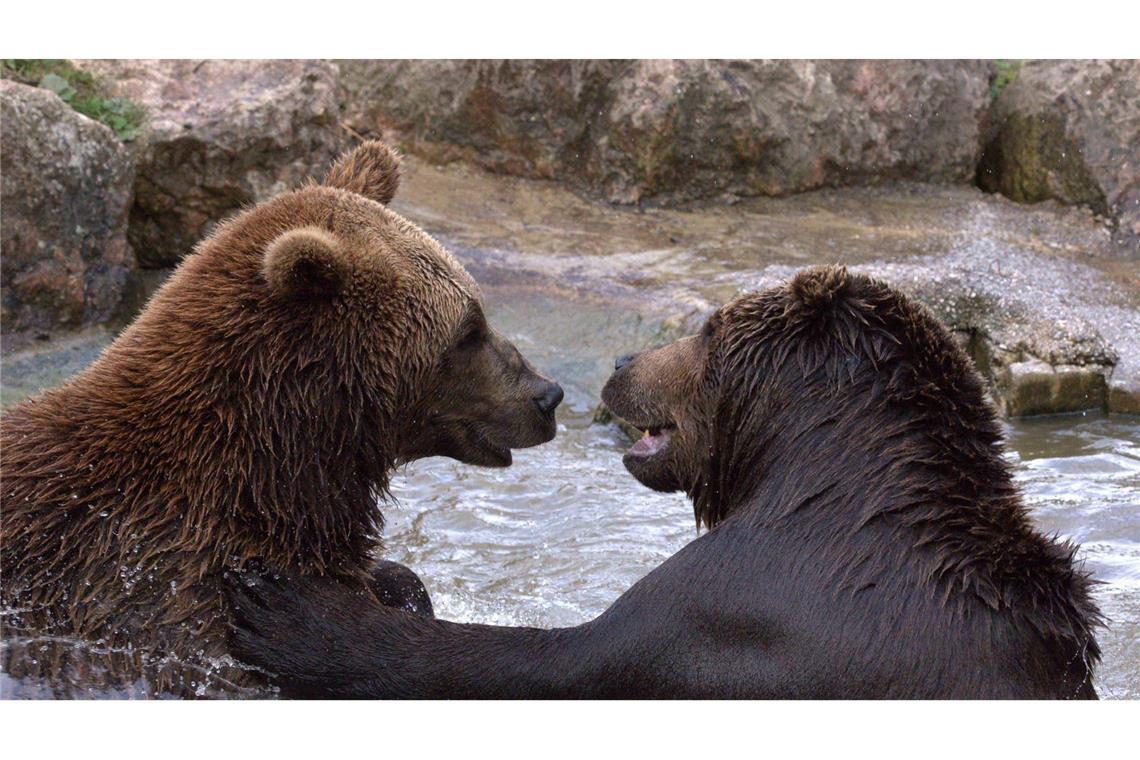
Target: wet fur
<point x="253" y="411"/>
<point x="866" y="539"/>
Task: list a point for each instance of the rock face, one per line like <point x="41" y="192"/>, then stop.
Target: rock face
<point x="527" y="118"/>
<point x="1036" y="294"/>
<point x="780" y="127"/>
<point x="1034" y="387"/>
<point x="672" y="131"/>
<point x="220" y="134"/>
<point x="1050" y="336"/>
<point x="1069" y="130"/>
<point x="66" y="192"/>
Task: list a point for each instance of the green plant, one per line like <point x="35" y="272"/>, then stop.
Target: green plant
<point x="1004" y="75"/>
<point x="79" y="90"/>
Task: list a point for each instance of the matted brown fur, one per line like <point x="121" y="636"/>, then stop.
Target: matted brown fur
<point x="848" y="405"/>
<point x="235" y="419"/>
<point x="840" y="360"/>
<point x="866" y="538"/>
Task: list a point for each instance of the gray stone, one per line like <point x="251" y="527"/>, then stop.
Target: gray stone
<point x="1124" y="395"/>
<point x="1069" y="130"/>
<point x="664" y="132"/>
<point x="677" y="130"/>
<point x="1034" y="387"/>
<point x="528" y="118"/>
<point x="219" y="134"/>
<point x="66" y="192"/>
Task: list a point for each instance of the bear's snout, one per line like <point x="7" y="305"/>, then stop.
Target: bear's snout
<point x="550" y="398"/>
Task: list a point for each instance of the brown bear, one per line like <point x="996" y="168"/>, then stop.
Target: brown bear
<point x="865" y="537"/>
<point x="253" y="411"/>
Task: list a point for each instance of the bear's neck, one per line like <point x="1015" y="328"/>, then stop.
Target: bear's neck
<point x="860" y="462"/>
<point x="227" y="467"/>
<point x="858" y="469"/>
<point x="889" y="484"/>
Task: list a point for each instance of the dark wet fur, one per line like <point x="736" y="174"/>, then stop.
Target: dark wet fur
<point x="253" y="411"/>
<point x="866" y="541"/>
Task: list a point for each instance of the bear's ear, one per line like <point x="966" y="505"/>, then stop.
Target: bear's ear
<point x="307" y="263"/>
<point x="372" y="170"/>
<point x="819" y="288"/>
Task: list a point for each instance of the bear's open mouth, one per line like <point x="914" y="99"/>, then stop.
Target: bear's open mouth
<point x="653" y="440"/>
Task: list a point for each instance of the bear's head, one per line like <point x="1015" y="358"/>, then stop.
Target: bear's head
<point x="774" y="373"/>
<point x="398" y="320"/>
<point x="318" y="339"/>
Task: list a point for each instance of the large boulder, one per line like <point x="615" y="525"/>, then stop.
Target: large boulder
<point x="1037" y="294"/>
<point x="683" y="129"/>
<point x="219" y="134"/>
<point x="1069" y="130"/>
<point x="66" y="193"/>
<point x="672" y="131"/>
<point x="528" y="118"/>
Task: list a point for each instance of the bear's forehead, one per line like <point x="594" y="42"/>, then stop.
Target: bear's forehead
<point x="402" y="246"/>
<point x="370" y="231"/>
<point x="426" y="251"/>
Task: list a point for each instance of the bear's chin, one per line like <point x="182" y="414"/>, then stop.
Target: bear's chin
<point x="470" y="445"/>
<point x="654" y="472"/>
<point x="486" y="457"/>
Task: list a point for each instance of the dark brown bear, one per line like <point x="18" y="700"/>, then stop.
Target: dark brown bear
<point x="254" y="410"/>
<point x="865" y="537"/>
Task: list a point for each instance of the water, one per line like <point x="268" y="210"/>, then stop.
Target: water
<point x="1081" y="478"/>
<point x="553" y="540"/>
<point x="558" y="537"/>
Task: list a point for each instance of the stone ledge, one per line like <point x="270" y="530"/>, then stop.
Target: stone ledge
<point x="1124" y="396"/>
<point x="1034" y="387"/>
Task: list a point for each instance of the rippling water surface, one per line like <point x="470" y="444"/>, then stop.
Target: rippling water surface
<point x="553" y="540"/>
<point x="1081" y="478"/>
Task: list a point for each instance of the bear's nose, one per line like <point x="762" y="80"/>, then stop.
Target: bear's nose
<point x="550" y="399"/>
<point x="622" y="360"/>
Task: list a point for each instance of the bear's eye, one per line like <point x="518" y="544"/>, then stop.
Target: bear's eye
<point x="472" y="329"/>
<point x="470" y="337"/>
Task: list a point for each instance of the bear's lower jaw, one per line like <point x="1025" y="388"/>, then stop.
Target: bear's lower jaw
<point x="469" y="444"/>
<point x="654" y="472"/>
<point x="480" y="442"/>
<point x="651" y="460"/>
<point x="488" y="456"/>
